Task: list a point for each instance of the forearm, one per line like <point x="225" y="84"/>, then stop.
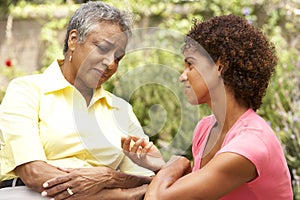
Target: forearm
<point x="160" y="187"/>
<point x="35" y="173"/>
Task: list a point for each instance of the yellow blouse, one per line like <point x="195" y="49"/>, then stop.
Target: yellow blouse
<point x="44" y="117"/>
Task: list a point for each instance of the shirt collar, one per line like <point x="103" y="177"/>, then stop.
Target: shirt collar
<point x="100" y="93"/>
<point x="55" y="81"/>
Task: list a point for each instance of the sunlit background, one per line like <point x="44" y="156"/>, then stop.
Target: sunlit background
<point x="32" y="34"/>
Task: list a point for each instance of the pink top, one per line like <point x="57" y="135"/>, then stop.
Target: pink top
<point x="252" y="138"/>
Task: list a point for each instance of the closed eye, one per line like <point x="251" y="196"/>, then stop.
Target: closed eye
<point x="188" y="65"/>
<point x="103" y="48"/>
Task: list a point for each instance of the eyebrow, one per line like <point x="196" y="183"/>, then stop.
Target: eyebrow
<point x="109" y="42"/>
<point x="186" y="59"/>
<point x="112" y="44"/>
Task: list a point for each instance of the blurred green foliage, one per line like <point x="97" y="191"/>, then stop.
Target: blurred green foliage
<point x="147" y="76"/>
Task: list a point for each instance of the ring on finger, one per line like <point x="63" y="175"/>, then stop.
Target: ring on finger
<point x="70" y="191"/>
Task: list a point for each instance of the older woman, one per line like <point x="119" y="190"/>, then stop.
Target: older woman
<point x="228" y="65"/>
<point x="61" y="130"/>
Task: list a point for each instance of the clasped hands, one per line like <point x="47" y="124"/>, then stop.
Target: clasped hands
<point x="89" y="183"/>
<point x="92" y="180"/>
<point x="95" y="183"/>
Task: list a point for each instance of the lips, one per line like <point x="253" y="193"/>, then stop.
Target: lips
<point x="100" y="73"/>
<point x="186" y="88"/>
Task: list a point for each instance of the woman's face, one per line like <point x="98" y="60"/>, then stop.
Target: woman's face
<point x="199" y="77"/>
<point x="96" y="59"/>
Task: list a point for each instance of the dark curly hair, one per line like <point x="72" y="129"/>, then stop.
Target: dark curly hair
<point x="246" y="56"/>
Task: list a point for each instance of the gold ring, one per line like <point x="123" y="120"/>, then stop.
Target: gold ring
<point x="70" y="191"/>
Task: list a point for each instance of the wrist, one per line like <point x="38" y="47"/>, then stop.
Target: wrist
<point x="156" y="169"/>
<point x="110" y="173"/>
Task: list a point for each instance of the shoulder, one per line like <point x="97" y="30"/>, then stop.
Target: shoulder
<point x="116" y="101"/>
<point x="34" y="78"/>
<point x="22" y="93"/>
<point x="254" y="139"/>
<point x="28" y="82"/>
<point x="204" y="123"/>
<point x="202" y="128"/>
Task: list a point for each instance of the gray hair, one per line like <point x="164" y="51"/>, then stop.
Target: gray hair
<point x="90" y="14"/>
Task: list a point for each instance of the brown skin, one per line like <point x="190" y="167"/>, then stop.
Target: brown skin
<point x="246" y="56"/>
<point x="96" y="59"/>
<point x="219" y="174"/>
<point x="218" y="86"/>
<point x="148" y="156"/>
<point x="93" y="62"/>
<point x="96" y="182"/>
<point x="35" y="173"/>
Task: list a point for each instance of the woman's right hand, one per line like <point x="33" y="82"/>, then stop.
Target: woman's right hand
<point x="142" y="152"/>
<point x="95" y="183"/>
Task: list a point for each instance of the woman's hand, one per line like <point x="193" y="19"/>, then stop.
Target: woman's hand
<point x="143" y="153"/>
<point x="89" y="182"/>
<point x="81" y="181"/>
<point x="35" y="173"/>
<point x="136" y="193"/>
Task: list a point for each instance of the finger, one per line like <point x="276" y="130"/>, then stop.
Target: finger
<point x="56" y="180"/>
<point x="56" y="190"/>
<point x="126" y="144"/>
<point x="147" y="148"/>
<point x="68" y="170"/>
<point x="137" y="145"/>
<point x="67" y="194"/>
<point x="123" y="139"/>
<point x="135" y="138"/>
<point x="138" y="192"/>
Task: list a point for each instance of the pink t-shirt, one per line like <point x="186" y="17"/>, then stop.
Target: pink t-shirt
<point x="252" y="138"/>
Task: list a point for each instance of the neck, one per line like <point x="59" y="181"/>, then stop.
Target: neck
<point x="70" y="76"/>
<point x="227" y="111"/>
<point x="86" y="93"/>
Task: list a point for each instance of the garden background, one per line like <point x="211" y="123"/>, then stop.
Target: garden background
<point x="32" y="34"/>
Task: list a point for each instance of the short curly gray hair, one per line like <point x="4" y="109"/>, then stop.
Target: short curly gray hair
<point x="89" y="14"/>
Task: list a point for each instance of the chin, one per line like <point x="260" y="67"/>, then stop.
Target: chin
<point x="193" y="101"/>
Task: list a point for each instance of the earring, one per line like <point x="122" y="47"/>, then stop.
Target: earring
<point x="70" y="58"/>
<point x="111" y="66"/>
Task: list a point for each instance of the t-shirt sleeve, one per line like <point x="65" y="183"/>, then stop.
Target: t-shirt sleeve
<point x="250" y="145"/>
<point x="19" y="126"/>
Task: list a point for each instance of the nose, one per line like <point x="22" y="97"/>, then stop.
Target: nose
<point x="183" y="76"/>
<point x="109" y="61"/>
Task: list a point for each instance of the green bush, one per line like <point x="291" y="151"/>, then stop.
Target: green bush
<point x="148" y="75"/>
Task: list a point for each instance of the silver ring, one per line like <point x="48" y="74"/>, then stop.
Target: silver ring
<point x="70" y="191"/>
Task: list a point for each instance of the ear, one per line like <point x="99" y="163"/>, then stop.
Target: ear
<point x="72" y="40"/>
<point x="220" y="67"/>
